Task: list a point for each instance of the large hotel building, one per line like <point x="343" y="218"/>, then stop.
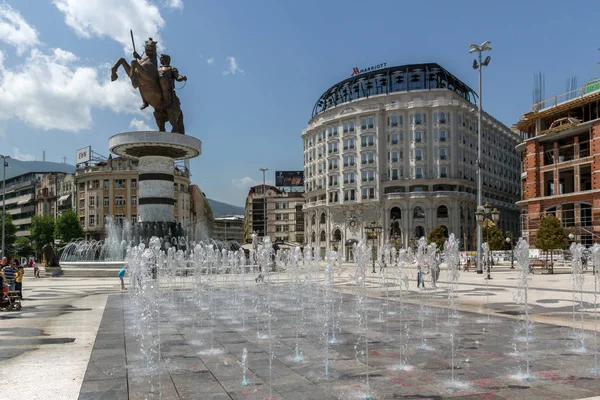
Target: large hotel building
<point x="398" y="147"/>
<point x="561" y="163"/>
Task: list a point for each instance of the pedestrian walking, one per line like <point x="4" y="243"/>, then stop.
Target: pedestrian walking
<point x="435" y="270"/>
<point x="19" y="281"/>
<point x="121" y="274"/>
<point x="36" y="269"/>
<point x="420" y="280"/>
<point x="9" y="273"/>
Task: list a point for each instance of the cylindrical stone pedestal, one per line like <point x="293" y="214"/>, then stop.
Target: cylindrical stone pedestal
<point x="156" y="197"/>
<point x="156" y="152"/>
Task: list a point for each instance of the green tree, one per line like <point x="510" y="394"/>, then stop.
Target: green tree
<point x="23" y="247"/>
<point x="551" y="235"/>
<point x="42" y="231"/>
<point x="492" y="235"/>
<point x="438" y="236"/>
<point x="10" y="231"/>
<point x="67" y="227"/>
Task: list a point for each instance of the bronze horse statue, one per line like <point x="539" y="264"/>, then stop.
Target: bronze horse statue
<point x="145" y="76"/>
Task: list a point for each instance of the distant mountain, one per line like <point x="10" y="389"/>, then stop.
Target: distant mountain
<point x="219" y="209"/>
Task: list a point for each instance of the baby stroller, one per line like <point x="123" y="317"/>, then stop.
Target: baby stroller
<point x="10" y="300"/>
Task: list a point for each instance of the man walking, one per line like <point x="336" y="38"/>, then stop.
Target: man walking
<point x="9" y="273"/>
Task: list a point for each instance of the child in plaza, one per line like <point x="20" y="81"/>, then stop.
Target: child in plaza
<point x="19" y="281"/>
<point x="420" y="280"/>
<point x="121" y="274"/>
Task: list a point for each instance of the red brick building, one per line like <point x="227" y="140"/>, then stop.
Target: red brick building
<point x="561" y="163"/>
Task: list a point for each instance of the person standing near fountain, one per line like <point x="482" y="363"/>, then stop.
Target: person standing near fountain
<point x="121" y="274"/>
<point x="435" y="269"/>
<point x="420" y="279"/>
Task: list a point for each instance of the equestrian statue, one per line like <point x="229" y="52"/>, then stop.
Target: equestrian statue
<point x="156" y="85"/>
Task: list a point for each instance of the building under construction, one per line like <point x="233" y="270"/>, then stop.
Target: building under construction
<point x="561" y="163"/>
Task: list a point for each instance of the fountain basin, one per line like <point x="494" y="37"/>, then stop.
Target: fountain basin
<point x="91" y="269"/>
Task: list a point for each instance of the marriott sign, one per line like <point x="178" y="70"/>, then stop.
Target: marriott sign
<point x="357" y="71"/>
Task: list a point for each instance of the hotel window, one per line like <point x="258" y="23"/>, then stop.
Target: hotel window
<point x="92" y="220"/>
<point x="371" y="122"/>
<point x="394" y="138"/>
<point x="371" y="175"/>
<point x="363" y="123"/>
<point x="134" y="183"/>
<point x="363" y="175"/>
<point x="106" y="201"/>
<point x="349" y="161"/>
<point x="371" y="193"/>
<point x="416" y="119"/>
<point x="119" y="219"/>
<point x="120" y="183"/>
<point x="333" y="197"/>
<point x="333" y="180"/>
<point x="333" y="164"/>
<point x="349" y="195"/>
<point x="371" y="157"/>
<point x="443" y="136"/>
<point x="443" y="172"/>
<point x="443" y="154"/>
<point x="368" y="140"/>
<point x="119" y="201"/>
<point x="394" y="120"/>
<point x="418" y="172"/>
<point x="363" y="158"/>
<point x="418" y="136"/>
<point x="394" y="174"/>
<point x="365" y="193"/>
<point x="81" y="203"/>
<point x="277" y="217"/>
<point x="347" y="177"/>
<point x="134" y="200"/>
<point x="349" y="144"/>
<point x="394" y="156"/>
<point x="418" y="154"/>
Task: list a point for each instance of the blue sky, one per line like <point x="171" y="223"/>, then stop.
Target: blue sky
<point x="55" y="94"/>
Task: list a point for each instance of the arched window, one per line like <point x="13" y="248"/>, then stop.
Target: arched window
<point x="323" y="238"/>
<point x="418" y="212"/>
<point x="313" y="237"/>
<point x="442" y="212"/>
<point x="395" y="213"/>
<point x="313" y="219"/>
<point x="322" y="221"/>
<point x="337" y="235"/>
<point x="419" y="232"/>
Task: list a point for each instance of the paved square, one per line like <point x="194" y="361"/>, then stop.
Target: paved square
<point x="203" y="334"/>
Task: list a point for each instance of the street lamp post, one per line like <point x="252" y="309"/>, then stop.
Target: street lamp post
<point x="477" y="64"/>
<point x="373" y="230"/>
<point x="509" y="239"/>
<point x="4" y="165"/>
<point x="264" y="203"/>
<point x="484" y="217"/>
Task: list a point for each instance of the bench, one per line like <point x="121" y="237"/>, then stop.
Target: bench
<point x="543" y="264"/>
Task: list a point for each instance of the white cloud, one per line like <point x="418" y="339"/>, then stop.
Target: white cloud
<point x="49" y="91"/>
<point x="16" y="154"/>
<point x="114" y="18"/>
<point x="234" y="67"/>
<point x="140" y="125"/>
<point x="210" y="61"/>
<point x="15" y="31"/>
<point x="174" y="3"/>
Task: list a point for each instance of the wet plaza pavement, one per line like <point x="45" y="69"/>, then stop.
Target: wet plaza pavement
<point x="201" y="357"/>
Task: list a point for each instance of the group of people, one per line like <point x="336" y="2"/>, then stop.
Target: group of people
<point x="11" y="276"/>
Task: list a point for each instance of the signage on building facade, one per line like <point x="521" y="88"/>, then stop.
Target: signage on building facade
<point x="83" y="155"/>
<point x="357" y="71"/>
<point x="289" y="178"/>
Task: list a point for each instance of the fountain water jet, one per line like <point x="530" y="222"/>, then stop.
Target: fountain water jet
<point x="521" y="297"/>
<point x="452" y="258"/>
<point x="578" y="281"/>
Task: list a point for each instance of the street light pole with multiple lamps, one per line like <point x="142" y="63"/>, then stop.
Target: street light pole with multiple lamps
<point x="478" y="64"/>
<point x="4" y="165"/>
